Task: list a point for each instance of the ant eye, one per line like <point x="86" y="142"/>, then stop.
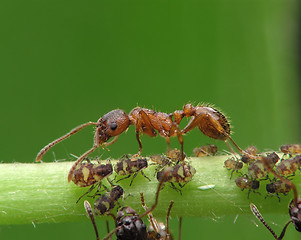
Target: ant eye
<point x="113" y="126"/>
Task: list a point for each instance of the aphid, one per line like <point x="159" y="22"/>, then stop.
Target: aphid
<point x="291" y="149"/>
<point x="245" y="182"/>
<point x="180" y="174"/>
<point x="87" y="174"/>
<point x="131" y="167"/>
<point x="277" y="187"/>
<point x="233" y="165"/>
<point x="289" y="166"/>
<point x="106" y="202"/>
<point x="174" y="154"/>
<point x="259" y="170"/>
<point x="210" y="121"/>
<point x="252" y="150"/>
<point x="157" y="230"/>
<point x="206" y="150"/>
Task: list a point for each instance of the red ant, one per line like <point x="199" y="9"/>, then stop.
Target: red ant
<point x="210" y="121"/>
<point x="294" y="207"/>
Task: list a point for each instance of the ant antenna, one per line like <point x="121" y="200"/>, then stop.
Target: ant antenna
<point x="257" y="214"/>
<point x="90" y="213"/>
<point x="167" y="217"/>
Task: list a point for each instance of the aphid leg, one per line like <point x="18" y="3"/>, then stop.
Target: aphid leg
<point x="50" y="145"/>
<point x="90" y="213"/>
<point x="135" y="175"/>
<point x="180" y="228"/>
<point x="167" y="219"/>
<point x="175" y="188"/>
<point x="108" y="228"/>
<point x="257" y="214"/>
<point x="90" y="190"/>
<point x="145" y="176"/>
<point x="124" y="178"/>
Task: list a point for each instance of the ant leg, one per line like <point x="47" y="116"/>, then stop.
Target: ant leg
<point x="151" y="219"/>
<point x="175" y="129"/>
<point x="90" y="213"/>
<point x="143" y="125"/>
<point x="167" y="220"/>
<point x="257" y="214"/>
<point x="70" y="174"/>
<point x="50" y="145"/>
<point x="168" y="143"/>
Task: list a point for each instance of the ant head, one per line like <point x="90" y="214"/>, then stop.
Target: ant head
<point x="295" y="213"/>
<point x="112" y="124"/>
<point x="129" y="225"/>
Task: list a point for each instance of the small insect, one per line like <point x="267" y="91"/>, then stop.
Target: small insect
<point x="157" y="230"/>
<point x="245" y="182"/>
<point x="175" y="154"/>
<point x="277" y="187"/>
<point x="131" y="167"/>
<point x="259" y="170"/>
<point x="252" y="150"/>
<point x="291" y="149"/>
<point x="210" y="121"/>
<point x="87" y="174"/>
<point x="206" y="150"/>
<point x="180" y="174"/>
<point x="233" y="165"/>
<point x="289" y="166"/>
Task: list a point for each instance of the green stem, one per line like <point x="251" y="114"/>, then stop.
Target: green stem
<point x="39" y="193"/>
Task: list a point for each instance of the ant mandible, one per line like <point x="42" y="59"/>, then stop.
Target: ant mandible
<point x="210" y="121"/>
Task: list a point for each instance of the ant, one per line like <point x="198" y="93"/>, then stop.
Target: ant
<point x="209" y="120"/>
<point x="206" y="150"/>
<point x="129" y="224"/>
<point x="294" y="207"/>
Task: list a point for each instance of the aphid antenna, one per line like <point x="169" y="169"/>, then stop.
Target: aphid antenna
<point x="90" y="213"/>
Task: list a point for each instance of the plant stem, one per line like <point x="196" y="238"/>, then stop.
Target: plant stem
<point x="40" y="193"/>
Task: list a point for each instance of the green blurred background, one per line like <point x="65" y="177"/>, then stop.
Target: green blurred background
<point x="63" y="63"/>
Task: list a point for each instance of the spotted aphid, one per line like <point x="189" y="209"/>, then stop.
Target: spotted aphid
<point x="277" y="187"/>
<point x="289" y="166"/>
<point x="206" y="150"/>
<point x="128" y="167"/>
<point x="252" y="150"/>
<point x="245" y="182"/>
<point x="233" y="165"/>
<point x="87" y="174"/>
<point x="291" y="149"/>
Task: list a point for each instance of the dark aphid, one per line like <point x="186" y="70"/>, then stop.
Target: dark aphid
<point x="277" y="187"/>
<point x="87" y="174"/>
<point x="180" y="174"/>
<point x="210" y="121"/>
<point x="233" y="165"/>
<point x="128" y="167"/>
<point x="252" y="150"/>
<point x="245" y="182"/>
<point x="106" y="202"/>
<point x="157" y="230"/>
<point x="291" y="149"/>
<point x="289" y="166"/>
<point x="206" y="150"/>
